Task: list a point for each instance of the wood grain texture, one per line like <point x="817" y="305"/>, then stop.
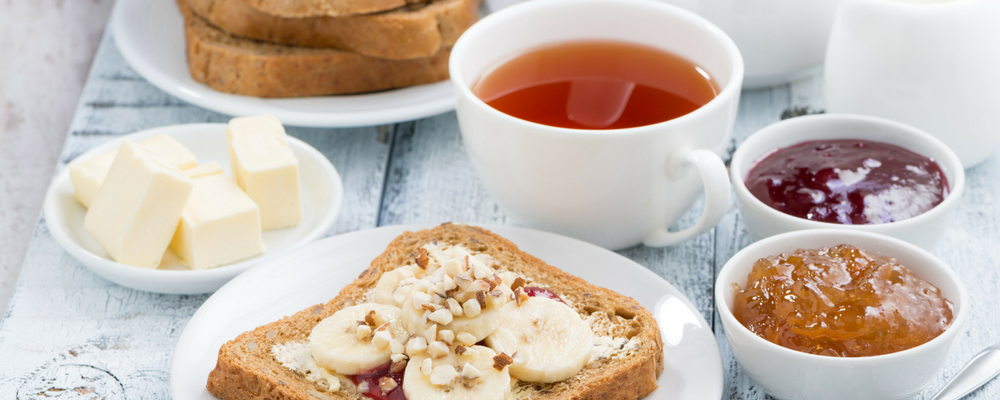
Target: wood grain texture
<point x="40" y="83"/>
<point x="66" y="327"/>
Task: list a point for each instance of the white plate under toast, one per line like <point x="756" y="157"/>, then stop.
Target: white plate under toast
<point x="322" y="196"/>
<point x="150" y="35"/>
<point x="315" y="273"/>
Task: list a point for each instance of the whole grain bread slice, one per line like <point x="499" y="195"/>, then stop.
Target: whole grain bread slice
<point x="252" y="68"/>
<point x="412" y="31"/>
<point x="247" y="370"/>
<point x="324" y="8"/>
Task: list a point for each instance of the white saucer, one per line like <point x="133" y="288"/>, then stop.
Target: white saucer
<point x="314" y="274"/>
<point x="150" y="35"/>
<point x="322" y="196"/>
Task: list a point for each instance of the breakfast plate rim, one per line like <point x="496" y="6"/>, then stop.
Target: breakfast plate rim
<point x="223" y="307"/>
<point x="166" y="278"/>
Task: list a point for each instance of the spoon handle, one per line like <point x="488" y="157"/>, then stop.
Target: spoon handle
<point x="981" y="369"/>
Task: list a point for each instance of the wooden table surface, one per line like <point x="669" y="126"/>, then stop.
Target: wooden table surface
<point x="71" y="334"/>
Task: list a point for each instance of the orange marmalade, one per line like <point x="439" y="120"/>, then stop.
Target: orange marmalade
<point x="840" y="301"/>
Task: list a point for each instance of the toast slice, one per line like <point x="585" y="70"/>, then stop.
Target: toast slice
<point x="413" y="31"/>
<point x="247" y="370"/>
<point x="324" y="8"/>
<point x="252" y="68"/>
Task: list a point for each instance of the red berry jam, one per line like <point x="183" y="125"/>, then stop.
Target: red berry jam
<point x="540" y="292"/>
<point x="373" y="389"/>
<point x="850" y="182"/>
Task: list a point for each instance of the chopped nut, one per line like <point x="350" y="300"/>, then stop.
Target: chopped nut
<point x="427" y="366"/>
<point x="446" y="336"/>
<point x="491" y="282"/>
<point x="398" y="363"/>
<point x="443" y="375"/>
<point x="395" y="347"/>
<point x="422" y="258"/>
<point x="466" y="338"/>
<point x="363" y="332"/>
<point x="518" y="283"/>
<point x="519" y="296"/>
<point x="442" y="317"/>
<point x="370" y="319"/>
<point x="429" y="307"/>
<point x="501" y="361"/>
<point x="415" y="346"/>
<point x="463" y="281"/>
<point x="419" y="299"/>
<point x="471" y="308"/>
<point x="398" y="357"/>
<point x="381" y="339"/>
<point x="387" y="384"/>
<point x="363" y="387"/>
<point x="437" y="349"/>
<point x="481" y="298"/>
<point x="470" y="372"/>
<point x="431" y="334"/>
<point x="461" y="349"/>
<point x="454" y="307"/>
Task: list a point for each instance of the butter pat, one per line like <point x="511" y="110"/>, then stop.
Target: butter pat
<point x="220" y="224"/>
<point x="137" y="209"/>
<point x="206" y="169"/>
<point x="88" y="175"/>
<point x="265" y="168"/>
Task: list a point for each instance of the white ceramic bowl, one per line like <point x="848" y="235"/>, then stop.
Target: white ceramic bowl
<point x="762" y="221"/>
<point x="322" y="196"/>
<point x="790" y="374"/>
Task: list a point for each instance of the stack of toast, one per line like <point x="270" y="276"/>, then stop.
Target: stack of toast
<point x="294" y="48"/>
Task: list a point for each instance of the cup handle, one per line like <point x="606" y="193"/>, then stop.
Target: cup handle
<point x="718" y="195"/>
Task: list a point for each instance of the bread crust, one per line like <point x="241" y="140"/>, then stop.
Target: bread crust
<point x="324" y="8"/>
<point x="246" y="370"/>
<point x="251" y="68"/>
<point x="413" y="31"/>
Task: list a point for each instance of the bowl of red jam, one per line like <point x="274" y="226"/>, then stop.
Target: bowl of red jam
<point x="840" y="314"/>
<point x="846" y="172"/>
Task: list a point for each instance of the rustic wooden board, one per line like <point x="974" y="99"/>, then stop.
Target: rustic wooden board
<point x="71" y="334"/>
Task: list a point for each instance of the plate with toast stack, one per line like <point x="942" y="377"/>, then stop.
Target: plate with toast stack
<point x="540" y="316"/>
<point x="309" y="63"/>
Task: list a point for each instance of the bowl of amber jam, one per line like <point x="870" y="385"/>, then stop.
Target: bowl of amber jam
<point x="840" y="171"/>
<point x="839" y="314"/>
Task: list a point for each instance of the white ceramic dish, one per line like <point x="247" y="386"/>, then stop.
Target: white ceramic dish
<point x="150" y="35"/>
<point x="789" y="374"/>
<point x="924" y="230"/>
<point x="315" y="274"/>
<point x="322" y="196"/>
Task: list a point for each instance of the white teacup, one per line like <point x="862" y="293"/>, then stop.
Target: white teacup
<point x="933" y="64"/>
<point x="614" y="188"/>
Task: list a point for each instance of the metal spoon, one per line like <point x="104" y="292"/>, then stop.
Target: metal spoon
<point x="981" y="369"/>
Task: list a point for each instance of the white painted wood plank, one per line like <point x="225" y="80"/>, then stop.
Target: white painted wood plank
<point x="67" y="327"/>
<point x="40" y="82"/>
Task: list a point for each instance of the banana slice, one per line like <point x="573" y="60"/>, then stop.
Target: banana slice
<point x="480" y="326"/>
<point x="551" y="341"/>
<point x="336" y="343"/>
<point x="454" y="377"/>
<point x="394" y="286"/>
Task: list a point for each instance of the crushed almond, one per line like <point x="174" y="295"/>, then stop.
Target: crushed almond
<point x="461" y="350"/>
<point x="437" y="349"/>
<point x="470" y="372"/>
<point x="471" y="308"/>
<point x="518" y="283"/>
<point x="501" y="361"/>
<point x="422" y="258"/>
<point x="466" y="338"/>
<point x="370" y="318"/>
<point x="519" y="296"/>
<point x="397" y="365"/>
<point x="387" y="384"/>
<point x="481" y="298"/>
<point x="443" y="375"/>
<point x="446" y="336"/>
<point x="363" y="332"/>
